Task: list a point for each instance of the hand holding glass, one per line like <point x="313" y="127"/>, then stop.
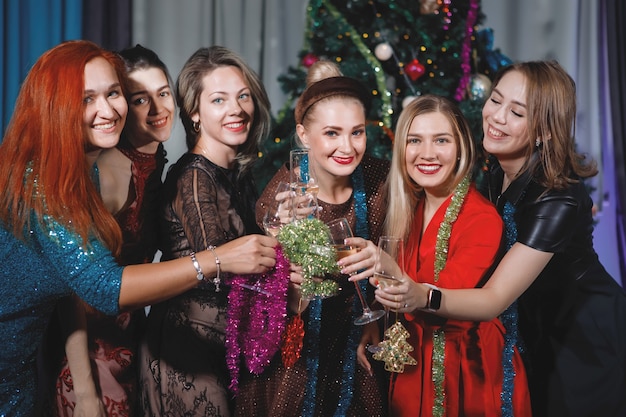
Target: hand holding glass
<point x="339" y="232"/>
<point x="388" y="269"/>
<point x="279" y="211"/>
<point x="389" y="262"/>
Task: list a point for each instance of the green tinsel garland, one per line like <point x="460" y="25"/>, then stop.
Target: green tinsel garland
<point x="445" y="228"/>
<point x="306" y="243"/>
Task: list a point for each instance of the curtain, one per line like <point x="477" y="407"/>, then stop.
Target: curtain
<point x="29" y="28"/>
<point x="108" y="23"/>
<point x="614" y="14"/>
<point x="573" y="33"/>
<point x="268" y="34"/>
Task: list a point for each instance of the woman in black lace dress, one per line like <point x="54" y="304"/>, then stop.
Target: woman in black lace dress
<point x="209" y="199"/>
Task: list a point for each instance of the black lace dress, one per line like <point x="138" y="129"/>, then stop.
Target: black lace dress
<point x="183" y="365"/>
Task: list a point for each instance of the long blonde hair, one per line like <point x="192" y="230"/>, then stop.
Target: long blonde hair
<point x="403" y="192"/>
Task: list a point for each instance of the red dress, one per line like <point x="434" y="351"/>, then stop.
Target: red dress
<point x="468" y="353"/>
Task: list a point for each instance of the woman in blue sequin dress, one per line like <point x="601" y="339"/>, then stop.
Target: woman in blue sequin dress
<point x="56" y="236"/>
<point x="130" y="185"/>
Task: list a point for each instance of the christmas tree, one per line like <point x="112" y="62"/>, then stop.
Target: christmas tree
<point x="398" y="49"/>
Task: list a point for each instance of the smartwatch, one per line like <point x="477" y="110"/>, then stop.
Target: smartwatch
<point x="433" y="301"/>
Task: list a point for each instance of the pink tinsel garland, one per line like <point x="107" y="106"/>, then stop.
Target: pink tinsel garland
<point x="466" y="50"/>
<point x="256" y="320"/>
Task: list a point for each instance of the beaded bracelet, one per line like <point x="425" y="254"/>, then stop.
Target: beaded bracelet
<point x="196" y="264"/>
<point x="216" y="280"/>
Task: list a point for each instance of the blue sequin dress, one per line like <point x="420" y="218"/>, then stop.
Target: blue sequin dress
<point x="35" y="274"/>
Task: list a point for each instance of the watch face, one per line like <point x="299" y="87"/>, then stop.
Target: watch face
<point x="435" y="300"/>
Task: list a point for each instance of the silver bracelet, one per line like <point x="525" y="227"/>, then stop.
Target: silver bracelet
<point x="216" y="280"/>
<point x="196" y="264"/>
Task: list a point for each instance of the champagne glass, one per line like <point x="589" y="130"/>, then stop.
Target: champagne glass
<point x="279" y="211"/>
<point x="388" y="269"/>
<point x="303" y="182"/>
<point x="339" y="232"/>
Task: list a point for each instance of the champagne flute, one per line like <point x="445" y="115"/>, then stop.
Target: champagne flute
<point x="303" y="182"/>
<point x="339" y="232"/>
<point x="278" y="213"/>
<point x="388" y="269"/>
<point x="279" y="210"/>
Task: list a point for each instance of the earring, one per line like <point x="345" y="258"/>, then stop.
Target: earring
<point x="196" y="127"/>
<point x="537" y="142"/>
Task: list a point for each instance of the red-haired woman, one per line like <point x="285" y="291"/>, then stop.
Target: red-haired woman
<point x="56" y="236"/>
<point x="129" y="179"/>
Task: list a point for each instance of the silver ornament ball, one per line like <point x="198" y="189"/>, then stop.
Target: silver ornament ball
<point x="479" y="87"/>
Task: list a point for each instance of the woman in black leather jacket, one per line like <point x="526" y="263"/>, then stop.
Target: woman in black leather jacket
<point x="550" y="287"/>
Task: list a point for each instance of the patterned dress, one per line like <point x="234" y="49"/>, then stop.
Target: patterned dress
<point x="468" y="354"/>
<point x="183" y="357"/>
<point x="280" y="391"/>
<point x="113" y="340"/>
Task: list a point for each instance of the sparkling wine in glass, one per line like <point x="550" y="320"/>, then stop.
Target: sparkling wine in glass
<point x="388" y="269"/>
<point x="303" y="182"/>
<point x="339" y="232"/>
<point x="279" y="210"/>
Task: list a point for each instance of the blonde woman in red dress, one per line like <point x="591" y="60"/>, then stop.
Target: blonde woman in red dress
<point x="452" y="238"/>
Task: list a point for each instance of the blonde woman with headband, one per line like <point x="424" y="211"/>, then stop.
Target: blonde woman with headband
<point x="326" y="380"/>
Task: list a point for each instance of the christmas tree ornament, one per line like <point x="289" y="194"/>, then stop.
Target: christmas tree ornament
<point x="414" y="69"/>
<point x="383" y="51"/>
<point x="478" y="87"/>
<point x="429" y="6"/>
<point x="407" y="100"/>
<point x="309" y="59"/>
<point x="395" y="349"/>
<point x="293" y="340"/>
